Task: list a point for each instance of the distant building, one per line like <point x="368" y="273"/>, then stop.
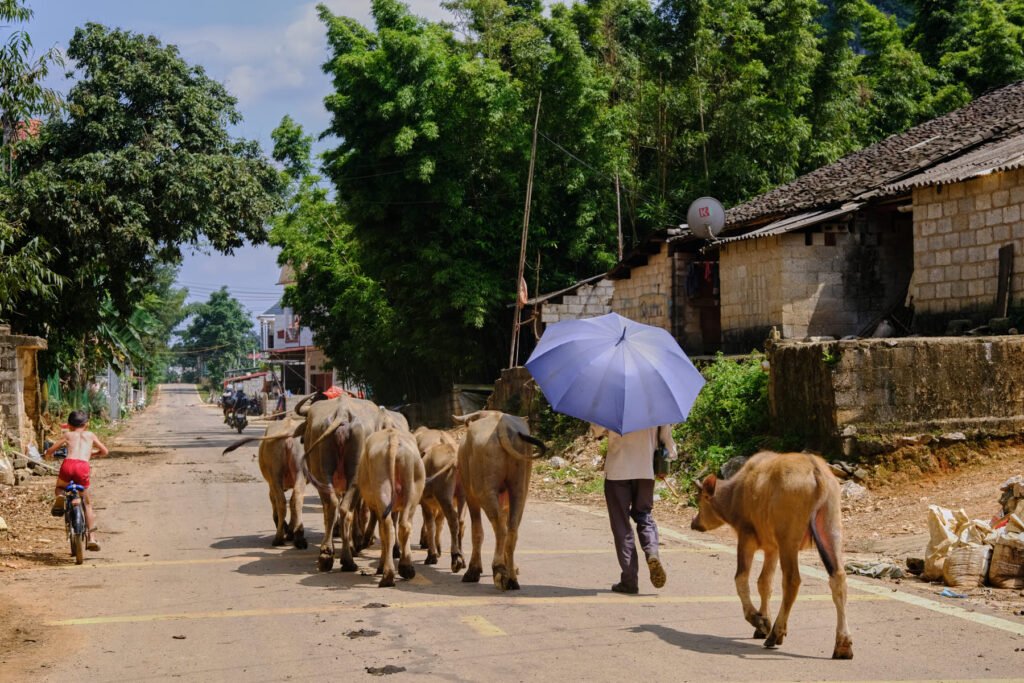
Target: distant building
<point x="289" y="348"/>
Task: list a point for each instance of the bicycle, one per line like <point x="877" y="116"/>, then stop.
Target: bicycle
<point x="74" y="520"/>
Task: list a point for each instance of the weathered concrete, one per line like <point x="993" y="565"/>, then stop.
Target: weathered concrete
<point x="20" y="398"/>
<point x="877" y="388"/>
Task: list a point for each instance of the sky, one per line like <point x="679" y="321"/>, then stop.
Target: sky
<point x="266" y="52"/>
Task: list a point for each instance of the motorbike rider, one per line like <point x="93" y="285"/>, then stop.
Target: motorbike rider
<point x="241" y="402"/>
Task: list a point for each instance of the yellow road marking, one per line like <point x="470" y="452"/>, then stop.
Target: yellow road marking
<point x="617" y="600"/>
<point x="883" y="591"/>
<point x="482" y="626"/>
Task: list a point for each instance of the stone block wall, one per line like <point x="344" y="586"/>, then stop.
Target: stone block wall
<point x="958" y="230"/>
<point x="20" y="405"/>
<point x="646" y="296"/>
<point x="752" y="290"/>
<point x="589" y="301"/>
<point x="830" y="282"/>
<point x="878" y="387"/>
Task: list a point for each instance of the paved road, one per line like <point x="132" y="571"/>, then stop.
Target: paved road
<point x="188" y="587"/>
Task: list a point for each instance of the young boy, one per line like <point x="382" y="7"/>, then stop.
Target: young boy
<point x="82" y="445"/>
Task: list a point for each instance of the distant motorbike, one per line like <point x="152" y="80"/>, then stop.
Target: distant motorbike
<point x="238" y="421"/>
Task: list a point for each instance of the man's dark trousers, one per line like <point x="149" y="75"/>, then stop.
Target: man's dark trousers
<point x="631" y="499"/>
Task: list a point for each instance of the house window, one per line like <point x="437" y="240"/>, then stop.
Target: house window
<point x="830" y="239"/>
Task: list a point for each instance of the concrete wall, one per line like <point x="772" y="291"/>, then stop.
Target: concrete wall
<point x="882" y="387"/>
<point x="840" y="282"/>
<point x="646" y="296"/>
<point x="589" y="301"/>
<point x="958" y="230"/>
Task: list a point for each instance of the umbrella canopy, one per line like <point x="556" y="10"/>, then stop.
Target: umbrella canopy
<point x="615" y="372"/>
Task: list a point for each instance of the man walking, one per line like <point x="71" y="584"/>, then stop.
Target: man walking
<point x="629" y="494"/>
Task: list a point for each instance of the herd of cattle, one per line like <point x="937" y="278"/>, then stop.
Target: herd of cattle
<point x="370" y="469"/>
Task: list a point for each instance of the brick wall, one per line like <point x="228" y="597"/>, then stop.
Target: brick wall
<point x="588" y="301"/>
<point x="958" y="230"/>
<point x="841" y="281"/>
<point x="19" y="388"/>
<point x="646" y="296"/>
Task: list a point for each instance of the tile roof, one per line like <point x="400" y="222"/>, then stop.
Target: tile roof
<point x="877" y="170"/>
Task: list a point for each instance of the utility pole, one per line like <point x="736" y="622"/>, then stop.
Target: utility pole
<point x="514" y="351"/>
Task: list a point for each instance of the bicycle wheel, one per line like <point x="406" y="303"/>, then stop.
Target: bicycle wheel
<point x="78" y="547"/>
<point x="77" y="532"/>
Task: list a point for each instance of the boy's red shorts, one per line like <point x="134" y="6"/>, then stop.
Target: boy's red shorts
<point x="75" y="470"/>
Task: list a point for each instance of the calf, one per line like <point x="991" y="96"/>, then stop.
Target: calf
<point x="390" y="478"/>
<point x="494" y="467"/>
<point x="779" y="503"/>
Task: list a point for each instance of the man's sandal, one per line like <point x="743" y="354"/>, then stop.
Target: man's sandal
<point x="92" y="545"/>
<point x="58" y="508"/>
<point x="657" y="571"/>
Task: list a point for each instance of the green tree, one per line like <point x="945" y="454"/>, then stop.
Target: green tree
<point x="219" y="334"/>
<point x="25" y="258"/>
<point x="141" y="165"/>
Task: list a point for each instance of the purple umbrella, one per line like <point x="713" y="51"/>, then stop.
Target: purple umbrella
<point x="615" y="372"/>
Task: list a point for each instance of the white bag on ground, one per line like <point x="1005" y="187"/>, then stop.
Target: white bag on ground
<point x="941" y="531"/>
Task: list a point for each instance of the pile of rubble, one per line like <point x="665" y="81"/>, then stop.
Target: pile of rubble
<point x="17" y="470"/>
<point x="966" y="552"/>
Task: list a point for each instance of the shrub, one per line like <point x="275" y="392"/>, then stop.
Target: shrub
<point x="730" y="416"/>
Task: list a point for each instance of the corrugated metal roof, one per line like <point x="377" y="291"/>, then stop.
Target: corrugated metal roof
<point x="572" y="288"/>
<point x="995" y="157"/>
<point x="791" y="223"/>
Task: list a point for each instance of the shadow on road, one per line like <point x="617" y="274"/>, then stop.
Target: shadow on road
<point x="703" y="643"/>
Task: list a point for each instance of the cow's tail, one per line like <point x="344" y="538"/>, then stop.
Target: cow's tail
<point x="826" y="520"/>
<point x="392" y="461"/>
<point x="507" y="433"/>
<point x="250" y="439"/>
<point x="323" y="489"/>
<point x="440" y="473"/>
<point x="331" y="428"/>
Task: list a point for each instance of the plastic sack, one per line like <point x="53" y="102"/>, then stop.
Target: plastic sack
<point x="1006" y="569"/>
<point x="967" y="565"/>
<point x="941" y="537"/>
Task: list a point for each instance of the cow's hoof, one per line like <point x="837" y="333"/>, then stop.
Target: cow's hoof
<point x="759" y="634"/>
<point x="774" y="639"/>
<point x="762" y="627"/>
<point x="289" y="535"/>
<point x="300" y="542"/>
<point x="406" y="571"/>
<point x="513" y="585"/>
<point x="349" y="566"/>
<point x="458" y="564"/>
<point x="431" y="559"/>
<point x="387" y="581"/>
<point x="277" y="541"/>
<point x="500" y="580"/>
<point x="325" y="562"/>
<point x="472" y="575"/>
<point x="844" y="649"/>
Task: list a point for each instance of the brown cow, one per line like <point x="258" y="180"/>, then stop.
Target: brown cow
<point x="426" y="438"/>
<point x="442" y="500"/>
<point x="280" y="459"/>
<point x="779" y="503"/>
<point x="335" y="433"/>
<point x="391" y="478"/>
<point x="494" y="468"/>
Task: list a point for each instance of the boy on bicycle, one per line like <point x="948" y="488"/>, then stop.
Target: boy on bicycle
<point x="82" y="445"/>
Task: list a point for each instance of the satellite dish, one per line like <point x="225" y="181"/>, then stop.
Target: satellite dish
<point x="706" y="217"/>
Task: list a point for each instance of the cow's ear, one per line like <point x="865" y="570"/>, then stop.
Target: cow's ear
<point x="708" y="485"/>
